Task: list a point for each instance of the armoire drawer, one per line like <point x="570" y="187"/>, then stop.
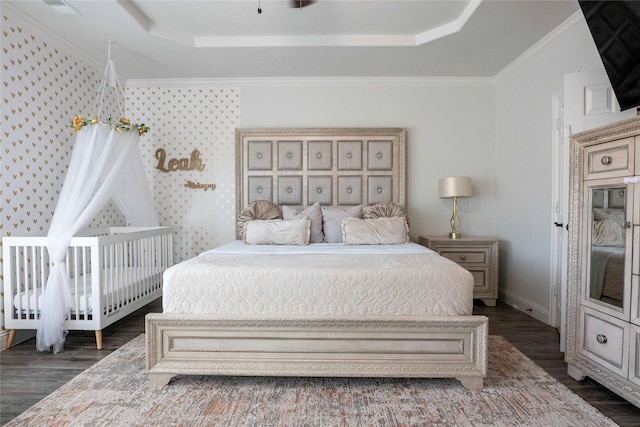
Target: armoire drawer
<point x="635" y="299"/>
<point x="634" y="359"/>
<point x="610" y="159"/>
<point x="635" y="262"/>
<point x="637" y="155"/>
<point x="605" y="340"/>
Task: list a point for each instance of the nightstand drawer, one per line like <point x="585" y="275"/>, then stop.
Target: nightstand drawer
<point x="465" y="256"/>
<point x="478" y="255"/>
<point x="480" y="277"/>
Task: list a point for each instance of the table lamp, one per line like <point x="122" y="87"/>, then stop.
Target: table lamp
<point x="454" y="187"/>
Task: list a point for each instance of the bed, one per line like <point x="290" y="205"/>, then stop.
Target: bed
<point x="318" y="308"/>
<point x="113" y="272"/>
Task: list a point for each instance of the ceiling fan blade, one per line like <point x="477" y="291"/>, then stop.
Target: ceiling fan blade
<point x="301" y="3"/>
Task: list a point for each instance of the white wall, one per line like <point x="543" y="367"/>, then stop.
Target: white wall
<point x="450" y="131"/>
<point x="523" y="161"/>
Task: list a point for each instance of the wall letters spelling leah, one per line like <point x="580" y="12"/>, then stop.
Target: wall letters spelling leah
<point x="194" y="162"/>
<point x="183" y="164"/>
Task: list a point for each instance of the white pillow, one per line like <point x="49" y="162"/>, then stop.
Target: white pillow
<point x="332" y="221"/>
<point x="378" y="231"/>
<point x="607" y="233"/>
<point x="314" y="213"/>
<point x="278" y="232"/>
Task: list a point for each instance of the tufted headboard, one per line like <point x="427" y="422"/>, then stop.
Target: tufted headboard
<point x="332" y="166"/>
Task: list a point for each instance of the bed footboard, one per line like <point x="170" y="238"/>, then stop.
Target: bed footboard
<point x="430" y="347"/>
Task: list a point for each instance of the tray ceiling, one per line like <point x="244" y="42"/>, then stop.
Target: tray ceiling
<point x="223" y="39"/>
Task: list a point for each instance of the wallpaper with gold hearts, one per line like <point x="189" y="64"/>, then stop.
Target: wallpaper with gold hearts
<point x="183" y="120"/>
<point x="44" y="87"/>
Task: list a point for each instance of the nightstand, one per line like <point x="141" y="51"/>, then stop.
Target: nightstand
<point x="479" y="255"/>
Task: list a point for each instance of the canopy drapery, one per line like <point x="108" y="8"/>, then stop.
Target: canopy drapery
<point x="105" y="165"/>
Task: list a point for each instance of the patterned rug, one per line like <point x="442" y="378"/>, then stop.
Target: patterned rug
<point x="116" y="392"/>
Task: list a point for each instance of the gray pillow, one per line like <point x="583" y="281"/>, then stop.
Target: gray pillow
<point x="314" y="213"/>
<point x="332" y="221"/>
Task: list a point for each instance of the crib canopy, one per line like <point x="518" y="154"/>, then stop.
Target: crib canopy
<point x="105" y="166"/>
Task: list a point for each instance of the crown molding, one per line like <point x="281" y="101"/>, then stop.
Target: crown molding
<point x="311" y="81"/>
<point x="343" y="40"/>
<point x="560" y="32"/>
<point x="556" y="35"/>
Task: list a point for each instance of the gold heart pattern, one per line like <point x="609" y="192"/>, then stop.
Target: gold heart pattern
<point x="182" y="120"/>
<point x="44" y="87"/>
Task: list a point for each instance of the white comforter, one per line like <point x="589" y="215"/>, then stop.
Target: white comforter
<point x="318" y="280"/>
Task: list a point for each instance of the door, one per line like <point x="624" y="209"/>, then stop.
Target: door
<point x="589" y="102"/>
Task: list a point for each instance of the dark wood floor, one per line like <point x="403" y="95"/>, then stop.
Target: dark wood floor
<point x="27" y="376"/>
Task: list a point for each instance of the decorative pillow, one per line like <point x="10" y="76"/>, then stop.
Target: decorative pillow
<point x="314" y="213"/>
<point x="607" y="233"/>
<point x="617" y="215"/>
<point x="386" y="210"/>
<point x="378" y="231"/>
<point x="258" y="210"/>
<point x="332" y="221"/>
<point x="278" y="232"/>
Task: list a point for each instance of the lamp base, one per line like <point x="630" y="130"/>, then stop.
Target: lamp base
<point x="455" y="235"/>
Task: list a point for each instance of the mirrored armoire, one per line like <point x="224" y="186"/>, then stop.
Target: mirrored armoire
<point x="603" y="289"/>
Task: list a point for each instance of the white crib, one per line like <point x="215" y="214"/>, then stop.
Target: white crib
<point x="114" y="271"/>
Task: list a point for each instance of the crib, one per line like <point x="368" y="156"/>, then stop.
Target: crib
<point x="113" y="272"/>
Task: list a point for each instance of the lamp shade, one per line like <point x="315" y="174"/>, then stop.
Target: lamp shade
<point x="455" y="186"/>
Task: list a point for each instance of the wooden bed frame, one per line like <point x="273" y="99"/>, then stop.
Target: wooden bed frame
<point x="334" y="166"/>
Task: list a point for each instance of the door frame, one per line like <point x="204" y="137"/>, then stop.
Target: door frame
<point x="559" y="194"/>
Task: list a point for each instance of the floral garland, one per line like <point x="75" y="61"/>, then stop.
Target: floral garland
<point x="122" y="125"/>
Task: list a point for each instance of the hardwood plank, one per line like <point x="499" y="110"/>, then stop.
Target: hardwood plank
<point x="27" y="376"/>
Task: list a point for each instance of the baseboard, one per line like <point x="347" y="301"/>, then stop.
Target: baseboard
<point x="4" y="335"/>
<point x="21" y="336"/>
<point x="519" y="303"/>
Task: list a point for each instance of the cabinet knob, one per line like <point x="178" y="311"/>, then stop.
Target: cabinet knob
<point x="462" y="257"/>
<point x="606" y="160"/>
<point x="602" y="339"/>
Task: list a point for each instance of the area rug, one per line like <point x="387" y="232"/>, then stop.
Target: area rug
<point x="116" y="392"/>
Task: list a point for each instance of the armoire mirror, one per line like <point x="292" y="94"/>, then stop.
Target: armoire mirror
<point x="607" y="262"/>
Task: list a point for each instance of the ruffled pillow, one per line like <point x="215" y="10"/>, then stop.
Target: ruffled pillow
<point x="258" y="210"/>
<point x="607" y="233"/>
<point x="314" y="213"/>
<point x="332" y="221"/>
<point x="386" y="210"/>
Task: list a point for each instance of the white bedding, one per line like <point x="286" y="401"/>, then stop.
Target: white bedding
<point x="239" y="247"/>
<point x="318" y="280"/>
<point x="118" y="286"/>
